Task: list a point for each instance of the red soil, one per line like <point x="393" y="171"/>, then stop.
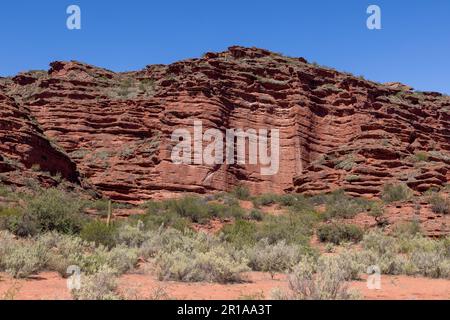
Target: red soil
<point x="50" y="286"/>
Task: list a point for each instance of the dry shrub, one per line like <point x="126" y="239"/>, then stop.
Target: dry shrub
<point x="409" y="254"/>
<point x="200" y="257"/>
<point x="21" y="258"/>
<point x="396" y="192"/>
<point x="273" y="258"/>
<point x="98" y="286"/>
<point x="324" y="280"/>
<point x="439" y="204"/>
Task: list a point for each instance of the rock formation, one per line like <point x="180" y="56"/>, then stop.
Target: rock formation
<point x="24" y="149"/>
<point x="336" y="130"/>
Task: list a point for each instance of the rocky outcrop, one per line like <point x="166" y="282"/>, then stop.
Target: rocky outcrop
<point x="25" y="152"/>
<point x="336" y="130"/>
<point x="384" y="137"/>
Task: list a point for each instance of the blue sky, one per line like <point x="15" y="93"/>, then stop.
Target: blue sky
<point x="413" y="47"/>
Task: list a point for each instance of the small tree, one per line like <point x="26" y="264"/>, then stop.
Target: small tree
<point x="376" y="211"/>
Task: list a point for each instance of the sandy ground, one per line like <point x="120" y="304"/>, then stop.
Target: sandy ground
<point x="50" y="286"/>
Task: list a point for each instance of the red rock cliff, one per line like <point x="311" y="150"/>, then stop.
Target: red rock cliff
<point x="336" y="130"/>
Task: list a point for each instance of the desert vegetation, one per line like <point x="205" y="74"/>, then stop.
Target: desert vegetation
<point x="49" y="230"/>
<point x="439" y="204"/>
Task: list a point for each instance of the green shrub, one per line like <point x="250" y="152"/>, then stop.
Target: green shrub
<point x="9" y="212"/>
<point x="56" y="210"/>
<point x="330" y="248"/>
<point x="23" y="259"/>
<point x="430" y="264"/>
<point x="352" y="178"/>
<point x="265" y="200"/>
<point x="7" y="244"/>
<point x="166" y="219"/>
<point x="162" y="240"/>
<point x="22" y="225"/>
<point x="62" y="244"/>
<point x="376" y="210"/>
<point x="59" y="264"/>
<point x="439" y="204"/>
<point x="351" y="262"/>
<point x="256" y="215"/>
<point x="131" y="235"/>
<point x="178" y="213"/>
<point x="286" y="200"/>
<point x="411" y="255"/>
<point x="395" y="192"/>
<point x="189" y="207"/>
<point x="240" y="233"/>
<point x="337" y="233"/>
<point x="346" y="164"/>
<point x="295" y="228"/>
<point x="241" y="192"/>
<point x="214" y="265"/>
<point x="218" y="210"/>
<point x="200" y="257"/>
<point x="410" y="228"/>
<point x="120" y="259"/>
<point x="5" y="191"/>
<point x="99" y="233"/>
<point x="99" y="286"/>
<point x="421" y="156"/>
<point x="294" y="200"/>
<point x="320" y="199"/>
<point x="66" y="250"/>
<point x="13" y="220"/>
<point x="227" y="198"/>
<point x="323" y="280"/>
<point x="339" y="205"/>
<point x="194" y="209"/>
<point x="273" y="258"/>
<point x="389" y="263"/>
<point x="379" y="243"/>
<point x="101" y="206"/>
<point x="410" y="243"/>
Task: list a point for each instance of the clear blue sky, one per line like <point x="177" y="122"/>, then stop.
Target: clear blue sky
<point x="413" y="47"/>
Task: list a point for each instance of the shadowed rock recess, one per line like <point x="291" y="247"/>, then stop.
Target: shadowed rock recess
<point x="112" y="130"/>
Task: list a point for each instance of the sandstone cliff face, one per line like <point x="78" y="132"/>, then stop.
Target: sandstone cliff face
<point x="25" y="151"/>
<point x="336" y="130"/>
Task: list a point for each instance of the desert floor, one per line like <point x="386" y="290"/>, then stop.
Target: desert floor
<point x="51" y="286"/>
